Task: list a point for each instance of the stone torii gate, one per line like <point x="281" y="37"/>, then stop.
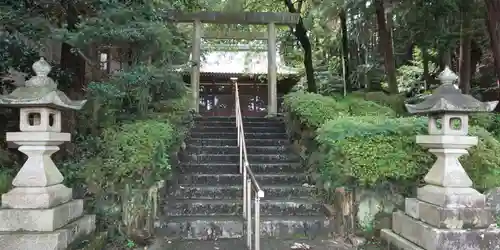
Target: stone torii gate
<point x="271" y="19"/>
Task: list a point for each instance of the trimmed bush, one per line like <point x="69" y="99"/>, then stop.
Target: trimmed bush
<point x="8" y="168"/>
<point x="362" y="143"/>
<point x="488" y="121"/>
<point x="359" y="107"/>
<point x="396" y="102"/>
<point x="134" y="154"/>
<point x="312" y="110"/>
<point x="6" y="176"/>
<point x="369" y="151"/>
<point x="483" y="162"/>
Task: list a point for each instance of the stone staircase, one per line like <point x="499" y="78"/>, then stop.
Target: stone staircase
<point x="207" y="203"/>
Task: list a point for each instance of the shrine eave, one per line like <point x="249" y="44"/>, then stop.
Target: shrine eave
<point x="235" y="74"/>
<point x="185" y="70"/>
<point x="279" y="18"/>
<point x="240" y="62"/>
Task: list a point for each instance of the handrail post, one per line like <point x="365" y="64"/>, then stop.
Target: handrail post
<point x="245" y="192"/>
<point x="236" y="106"/>
<point x="240" y="143"/>
<point x="257" y="223"/>
<point x="249" y="213"/>
<point x="238" y="126"/>
<point x="238" y="131"/>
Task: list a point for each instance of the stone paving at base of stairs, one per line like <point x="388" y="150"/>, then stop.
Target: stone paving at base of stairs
<point x="239" y="244"/>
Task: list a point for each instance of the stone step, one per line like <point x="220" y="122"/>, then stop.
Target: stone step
<point x="216" y="141"/>
<point x="235" y="158"/>
<point x="236" y="192"/>
<point x="235" y="207"/>
<point x="233" y="119"/>
<point x="233" y="168"/>
<point x="230" y="129"/>
<point x="236" y="179"/>
<point x="267" y="243"/>
<point x="224" y="227"/>
<point x="236" y="150"/>
<point x="246" y="124"/>
<point x="232" y="135"/>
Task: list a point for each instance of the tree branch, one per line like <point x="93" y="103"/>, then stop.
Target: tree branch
<point x="299" y="6"/>
<point x="290" y="6"/>
<point x="86" y="58"/>
<point x="300" y="33"/>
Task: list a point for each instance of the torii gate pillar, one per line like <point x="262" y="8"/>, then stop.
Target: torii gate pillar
<point x="272" y="105"/>
<point x="195" y="68"/>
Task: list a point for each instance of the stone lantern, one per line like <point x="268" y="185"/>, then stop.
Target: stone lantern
<point x="448" y="214"/>
<point x="40" y="212"/>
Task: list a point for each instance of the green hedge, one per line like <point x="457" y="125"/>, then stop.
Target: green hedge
<point x="312" y="110"/>
<point x="369" y="151"/>
<point x="364" y="143"/>
<point x="483" y="162"/>
<point x="488" y="121"/>
<point x="8" y="168"/>
<point x="396" y="102"/>
<point x="136" y="154"/>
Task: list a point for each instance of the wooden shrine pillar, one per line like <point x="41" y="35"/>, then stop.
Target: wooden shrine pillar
<point x="196" y="62"/>
<point x="272" y="88"/>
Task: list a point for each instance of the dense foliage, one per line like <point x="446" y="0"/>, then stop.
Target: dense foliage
<point x="370" y="150"/>
<point x="135" y="154"/>
<point x="371" y="147"/>
<point x="127" y="136"/>
<point x="7" y="169"/>
<point x="312" y="110"/>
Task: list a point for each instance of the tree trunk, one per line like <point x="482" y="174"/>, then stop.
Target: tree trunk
<point x="465" y="47"/>
<point x="425" y="59"/>
<point x="345" y="49"/>
<point x="475" y="56"/>
<point x="445" y="58"/>
<point x="300" y="33"/>
<point x="389" y="24"/>
<point x="74" y="64"/>
<point x="70" y="61"/>
<point x="445" y="48"/>
<point x="493" y="10"/>
<point x="385" y="45"/>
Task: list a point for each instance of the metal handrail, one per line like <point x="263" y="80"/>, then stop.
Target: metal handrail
<point x="249" y="181"/>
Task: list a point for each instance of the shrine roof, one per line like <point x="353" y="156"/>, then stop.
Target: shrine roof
<point x="241" y="59"/>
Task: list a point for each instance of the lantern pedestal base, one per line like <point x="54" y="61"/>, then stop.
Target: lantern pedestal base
<point x="449" y="218"/>
<point x="36" y="197"/>
<point x="42" y="218"/>
<point x="426" y="226"/>
<point x="56" y="240"/>
<point x="451" y="196"/>
<point x="411" y="234"/>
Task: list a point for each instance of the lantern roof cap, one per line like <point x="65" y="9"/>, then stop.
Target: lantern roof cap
<point x="39" y="90"/>
<point x="448" y="98"/>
